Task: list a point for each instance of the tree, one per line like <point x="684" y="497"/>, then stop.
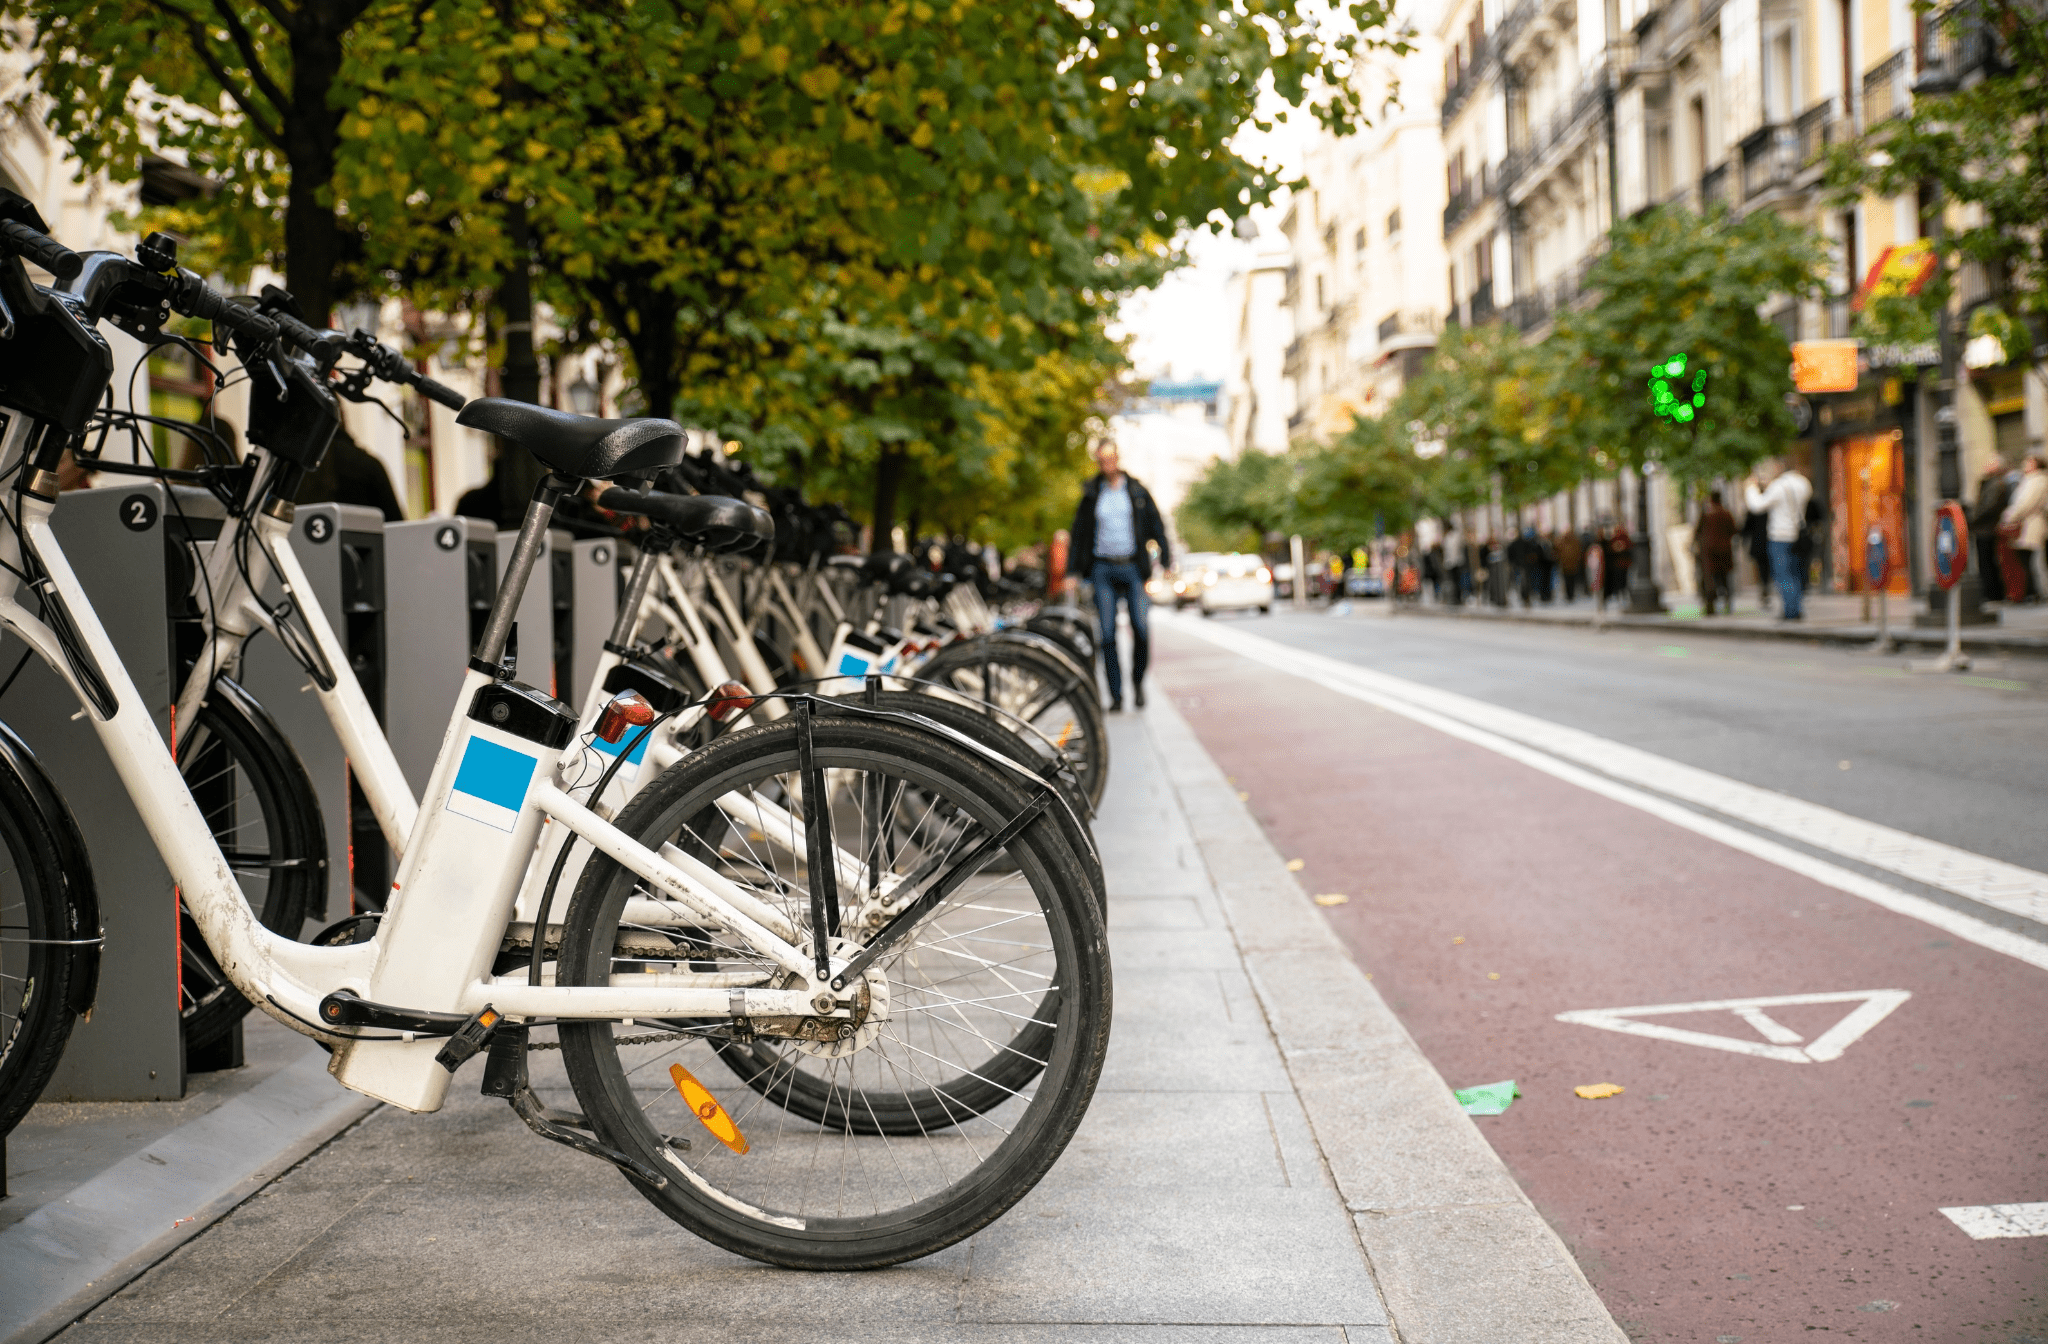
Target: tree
<point x="1366" y="483"/>
<point x="1984" y="147"/>
<point x="1486" y="402"/>
<point x="251" y="93"/>
<point x="1674" y="283"/>
<point x="1237" y="501"/>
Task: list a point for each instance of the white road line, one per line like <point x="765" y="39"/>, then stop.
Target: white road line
<point x="1541" y="746"/>
<point x="2001" y="1220"/>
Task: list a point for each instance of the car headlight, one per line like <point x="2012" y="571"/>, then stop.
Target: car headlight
<point x="1265" y="575"/>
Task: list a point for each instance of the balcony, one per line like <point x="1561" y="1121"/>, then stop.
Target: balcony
<point x="1527" y="151"/>
<point x="1469" y="80"/>
<point x="1714" y="187"/>
<point x="1468" y="197"/>
<point x="1770" y="160"/>
<point x="1818" y="127"/>
<point x="1887" y="88"/>
<point x="1290" y="362"/>
<point x="1408" y="330"/>
<point x="1961" y="46"/>
<point x="1483" y="308"/>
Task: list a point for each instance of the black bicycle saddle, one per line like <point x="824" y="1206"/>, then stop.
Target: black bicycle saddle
<point x="714" y="522"/>
<point x="579" y="445"/>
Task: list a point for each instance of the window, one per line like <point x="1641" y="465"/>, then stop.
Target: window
<point x="1780" y="102"/>
<point x="1456" y="170"/>
<point x="1358" y="241"/>
<point x="1482" y="260"/>
<point x="1394" y="222"/>
<point x="1320" y="305"/>
<point x="1699" y="137"/>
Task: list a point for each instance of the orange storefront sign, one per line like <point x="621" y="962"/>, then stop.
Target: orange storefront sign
<point x="1824" y="366"/>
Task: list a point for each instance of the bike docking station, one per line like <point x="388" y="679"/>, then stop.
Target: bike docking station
<point x="584" y="581"/>
<point x="133" y="1046"/>
<point x="341" y="547"/>
<point x="440" y="568"/>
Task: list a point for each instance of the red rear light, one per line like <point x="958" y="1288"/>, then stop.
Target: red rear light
<point x="730" y="701"/>
<point x="627" y="709"/>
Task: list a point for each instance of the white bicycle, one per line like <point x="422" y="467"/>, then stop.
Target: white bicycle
<point x="873" y="1014"/>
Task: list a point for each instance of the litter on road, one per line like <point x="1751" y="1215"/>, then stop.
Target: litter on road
<point x="1595" y="1091"/>
<point x="1487" y="1099"/>
<point x="1332" y="898"/>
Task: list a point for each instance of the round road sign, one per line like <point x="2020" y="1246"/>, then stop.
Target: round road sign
<point x="1951" y="544"/>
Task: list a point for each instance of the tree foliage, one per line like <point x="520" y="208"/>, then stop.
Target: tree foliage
<point x="1985" y="146"/>
<point x="856" y="231"/>
<point x="1672" y="282"/>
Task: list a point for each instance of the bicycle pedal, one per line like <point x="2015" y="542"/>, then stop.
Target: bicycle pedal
<point x="505" y="1066"/>
<point x="469" y="1038"/>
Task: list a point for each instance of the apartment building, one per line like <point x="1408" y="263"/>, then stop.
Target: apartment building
<point x="1362" y="290"/>
<point x="1257" y="395"/>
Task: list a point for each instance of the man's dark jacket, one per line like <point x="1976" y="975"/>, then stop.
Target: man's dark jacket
<point x="1145" y="524"/>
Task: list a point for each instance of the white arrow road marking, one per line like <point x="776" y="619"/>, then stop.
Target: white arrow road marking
<point x="2001" y="1220"/>
<point x="1873" y="1006"/>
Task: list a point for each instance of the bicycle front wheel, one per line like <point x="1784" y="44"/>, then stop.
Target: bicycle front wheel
<point x="42" y="928"/>
<point x="978" y="1043"/>
<point x="259" y="803"/>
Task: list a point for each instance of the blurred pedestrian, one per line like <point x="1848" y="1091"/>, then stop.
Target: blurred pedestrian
<point x="1994" y="492"/>
<point x="1716" y="541"/>
<point x="1112" y="523"/>
<point x="1756" y="540"/>
<point x="1433" y="569"/>
<point x="1456" y="570"/>
<point x="1525" y="558"/>
<point x="1620" y="553"/>
<point x="2024" y="524"/>
<point x="1571" y="562"/>
<point x="1783" y="503"/>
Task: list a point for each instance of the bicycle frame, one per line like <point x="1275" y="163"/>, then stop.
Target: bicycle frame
<point x="478" y="823"/>
<point x="236" y="612"/>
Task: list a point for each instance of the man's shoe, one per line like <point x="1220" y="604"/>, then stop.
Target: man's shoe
<point x="1139" y="692"/>
<point x="1116" y="706"/>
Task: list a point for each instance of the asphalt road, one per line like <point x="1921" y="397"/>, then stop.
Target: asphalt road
<point x="1724" y="1195"/>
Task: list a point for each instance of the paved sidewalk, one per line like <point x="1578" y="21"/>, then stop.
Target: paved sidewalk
<point x="1832" y="618"/>
<point x="1268" y="1157"/>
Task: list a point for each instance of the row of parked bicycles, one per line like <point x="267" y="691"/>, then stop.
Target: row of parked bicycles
<point x="803" y="892"/>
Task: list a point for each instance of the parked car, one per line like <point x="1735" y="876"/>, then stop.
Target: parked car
<point x="1187" y="577"/>
<point x="1234" y="583"/>
<point x="1364" y="583"/>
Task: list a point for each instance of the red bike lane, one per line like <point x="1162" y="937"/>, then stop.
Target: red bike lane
<point x="1722" y="1196"/>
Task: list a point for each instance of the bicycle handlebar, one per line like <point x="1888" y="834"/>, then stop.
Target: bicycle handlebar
<point x="195" y="298"/>
<point x="18" y="239"/>
<point x="313" y="340"/>
<point x="392" y="367"/>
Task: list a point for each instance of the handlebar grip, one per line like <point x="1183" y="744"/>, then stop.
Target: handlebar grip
<point x="311" y="339"/>
<point x="20" y="240"/>
<point x="195" y="298"/>
<point x="440" y="392"/>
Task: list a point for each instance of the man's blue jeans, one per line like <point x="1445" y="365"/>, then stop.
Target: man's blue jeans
<point x="1789" y="573"/>
<point x="1112" y="580"/>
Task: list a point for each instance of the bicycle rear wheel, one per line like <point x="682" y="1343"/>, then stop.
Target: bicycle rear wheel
<point x="1036" y="687"/>
<point x="259" y="802"/>
<point x="981" y="1037"/>
<point x="47" y="914"/>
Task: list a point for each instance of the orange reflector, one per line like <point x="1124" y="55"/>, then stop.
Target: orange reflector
<point x="730" y="701"/>
<point x="1065" y="733"/>
<point x="488" y="1017"/>
<point x="699" y="1099"/>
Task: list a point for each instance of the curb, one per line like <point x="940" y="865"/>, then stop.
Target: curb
<point x="1913" y="636"/>
<point x="72" y="1254"/>
<point x="1458" y="1251"/>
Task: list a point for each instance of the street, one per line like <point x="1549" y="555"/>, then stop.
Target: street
<point x="1765" y="1172"/>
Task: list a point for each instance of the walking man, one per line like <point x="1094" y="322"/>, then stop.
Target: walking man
<point x="1112" y="523"/>
<point x="1717" y="555"/>
<point x="1783" y="504"/>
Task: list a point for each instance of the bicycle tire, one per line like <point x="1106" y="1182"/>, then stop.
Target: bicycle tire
<point x="259" y="802"/>
<point x="1037" y="686"/>
<point x="761" y="1208"/>
<point x="48" y="915"/>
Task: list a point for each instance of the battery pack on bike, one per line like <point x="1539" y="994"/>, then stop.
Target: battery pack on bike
<point x="474" y="839"/>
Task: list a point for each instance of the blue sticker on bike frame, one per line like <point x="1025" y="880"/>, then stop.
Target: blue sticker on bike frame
<point x="633" y="757"/>
<point x="491" y="783"/>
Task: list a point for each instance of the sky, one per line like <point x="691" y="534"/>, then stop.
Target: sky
<point x="1181" y="330"/>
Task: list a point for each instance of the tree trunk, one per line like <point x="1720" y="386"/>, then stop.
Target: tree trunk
<point x="312" y="137"/>
<point x="888" y="484"/>
<point x="519" y="472"/>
